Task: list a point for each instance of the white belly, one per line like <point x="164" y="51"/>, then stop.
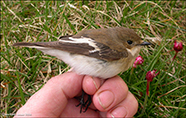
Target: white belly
<point x="90" y="66"/>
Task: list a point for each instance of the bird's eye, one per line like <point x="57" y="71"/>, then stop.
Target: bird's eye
<point x="129" y="42"/>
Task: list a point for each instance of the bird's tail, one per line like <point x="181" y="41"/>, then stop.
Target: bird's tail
<point x="24" y="44"/>
<point x="37" y="45"/>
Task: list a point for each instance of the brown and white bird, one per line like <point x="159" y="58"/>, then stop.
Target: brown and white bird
<point x="99" y="53"/>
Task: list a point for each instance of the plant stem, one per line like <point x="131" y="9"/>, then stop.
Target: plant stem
<point x="131" y="74"/>
<point x="146" y="97"/>
<point x="174" y="56"/>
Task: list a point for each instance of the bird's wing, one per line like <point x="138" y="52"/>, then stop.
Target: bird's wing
<point x="79" y="45"/>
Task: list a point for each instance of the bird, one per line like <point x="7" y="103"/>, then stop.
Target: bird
<point x="101" y="53"/>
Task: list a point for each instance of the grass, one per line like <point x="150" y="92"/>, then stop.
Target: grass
<point x="24" y="71"/>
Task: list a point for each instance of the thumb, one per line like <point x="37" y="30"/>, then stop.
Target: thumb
<point x="53" y="97"/>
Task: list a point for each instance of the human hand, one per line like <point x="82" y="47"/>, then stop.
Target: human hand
<point x="57" y="98"/>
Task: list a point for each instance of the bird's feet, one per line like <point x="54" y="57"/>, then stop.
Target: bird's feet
<point x="84" y="104"/>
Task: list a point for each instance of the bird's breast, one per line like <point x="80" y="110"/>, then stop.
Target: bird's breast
<point x="98" y="68"/>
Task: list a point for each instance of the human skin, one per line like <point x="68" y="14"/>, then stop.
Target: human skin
<point x="58" y="97"/>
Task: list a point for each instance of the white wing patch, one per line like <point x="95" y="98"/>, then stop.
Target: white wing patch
<point x="89" y="41"/>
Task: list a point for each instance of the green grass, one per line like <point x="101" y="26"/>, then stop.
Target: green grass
<point x="24" y="71"/>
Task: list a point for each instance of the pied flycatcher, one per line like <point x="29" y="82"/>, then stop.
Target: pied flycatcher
<point x="99" y="53"/>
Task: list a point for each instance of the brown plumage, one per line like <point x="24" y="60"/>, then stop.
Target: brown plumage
<point x="112" y="43"/>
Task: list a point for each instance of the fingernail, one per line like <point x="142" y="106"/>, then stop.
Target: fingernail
<point x="105" y="99"/>
<point x="112" y="116"/>
<point x="118" y="112"/>
<point x="95" y="83"/>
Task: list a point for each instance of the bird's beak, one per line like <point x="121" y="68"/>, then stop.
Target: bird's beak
<point x="144" y="44"/>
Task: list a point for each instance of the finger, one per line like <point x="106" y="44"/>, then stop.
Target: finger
<point x="91" y="84"/>
<point x="112" y="92"/>
<point x="127" y="108"/>
<point x="52" y="98"/>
